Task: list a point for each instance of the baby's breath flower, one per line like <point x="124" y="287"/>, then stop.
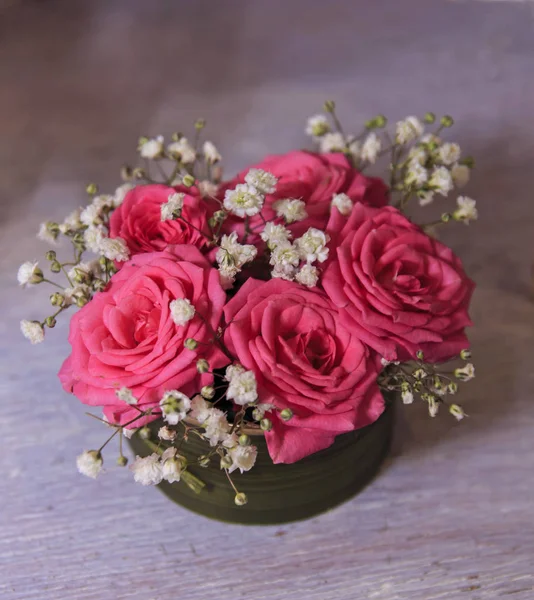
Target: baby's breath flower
<point x="217" y="427"/>
<point x="84" y="271"/>
<point x="174" y="406"/>
<point x="207" y="189"/>
<point x="441" y="181"/>
<point x="407" y="396"/>
<point x="91" y="214"/>
<point x="317" y="126"/>
<point x="449" y="153"/>
<point x="243" y="458"/>
<point x="465" y="373"/>
<point x="291" y="210"/>
<point x="126" y="395"/>
<point x="29" y="273"/>
<point x="232" y="253"/>
<point x="275" y="234"/>
<point x="416" y="174"/>
<point x="425" y="198"/>
<point x="460" y="175"/>
<point x="243" y="388"/>
<point x="285" y="258"/>
<point x="261" y="180"/>
<point x="332" y="142"/>
<point x="371" y="147"/>
<point x="409" y="129"/>
<point x="166" y="434"/>
<point x="114" y="249"/>
<point x="211" y="154"/>
<point x="151" y="148"/>
<point x="200" y="409"/>
<point x="182" y="311"/>
<point x="418" y="154"/>
<point x="93" y="237"/>
<point x="48" y="232"/>
<point x="182" y="150"/>
<point x="171" y="467"/>
<point x="32" y="330"/>
<point x="72" y="221"/>
<point x="90" y="463"/>
<point x="312" y="245"/>
<point x="147" y="470"/>
<point x="466" y="210"/>
<point x="343" y="203"/>
<point x="129" y="432"/>
<point x="233" y="371"/>
<point x="120" y="194"/>
<point x="308" y="275"/>
<point x="243" y="201"/>
<point x="172" y="209"/>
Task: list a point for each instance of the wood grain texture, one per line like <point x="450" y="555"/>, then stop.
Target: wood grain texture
<point x="452" y="515"/>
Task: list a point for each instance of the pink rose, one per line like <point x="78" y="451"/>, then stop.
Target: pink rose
<point x="138" y="220"/>
<point x="313" y="178"/>
<point x="125" y="337"/>
<point x="304" y="359"/>
<point x="397" y="288"/>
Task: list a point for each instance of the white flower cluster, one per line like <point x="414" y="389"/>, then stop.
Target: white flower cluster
<point x="182" y="311"/>
<point x="246" y="199"/>
<point x="242" y="388"/>
<point x="286" y="257"/>
<point x="172" y="209"/>
<point x="232" y="257"/>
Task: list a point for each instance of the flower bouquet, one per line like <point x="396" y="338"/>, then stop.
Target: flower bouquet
<point x="265" y="323"/>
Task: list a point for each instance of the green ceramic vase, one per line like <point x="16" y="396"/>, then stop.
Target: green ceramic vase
<point x="282" y="493"/>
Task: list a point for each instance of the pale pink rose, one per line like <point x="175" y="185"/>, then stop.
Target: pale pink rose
<point x="304" y="359"/>
<point x="314" y="179"/>
<point x="138" y="219"/>
<point x="397" y="288"/>
<point x="125" y="337"/>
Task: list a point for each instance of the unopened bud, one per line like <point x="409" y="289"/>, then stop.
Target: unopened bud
<point x="81" y="301"/>
<point x="419" y="355"/>
<point x="50" y="255"/>
<point x="452" y="388"/>
<point x="244" y="440"/>
<point x="329" y="106"/>
<point x="50" y="322"/>
<point x="445" y="217"/>
<point x="92" y="189"/>
<point x="122" y="461"/>
<point x="465" y="354"/>
<point x="429" y="118"/>
<point x="55" y="267"/>
<point x="286" y="414"/>
<point x="144" y="433"/>
<point x="57" y="299"/>
<point x="191" y="344"/>
<point x="188" y="180"/>
<point x="203" y="365"/>
<point x="207" y="392"/>
<point x="241" y="499"/>
<point x="266" y="424"/>
<point x="447" y="121"/>
<point x="200" y="124"/>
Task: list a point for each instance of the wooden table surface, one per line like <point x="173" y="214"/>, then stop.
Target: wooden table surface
<point x="452" y="514"/>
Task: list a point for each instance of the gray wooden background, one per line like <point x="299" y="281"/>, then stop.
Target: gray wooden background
<point x="452" y="515"/>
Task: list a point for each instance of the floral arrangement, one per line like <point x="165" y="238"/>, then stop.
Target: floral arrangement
<point x="286" y="299"/>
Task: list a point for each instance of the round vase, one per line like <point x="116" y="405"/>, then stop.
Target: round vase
<point x="280" y="493"/>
